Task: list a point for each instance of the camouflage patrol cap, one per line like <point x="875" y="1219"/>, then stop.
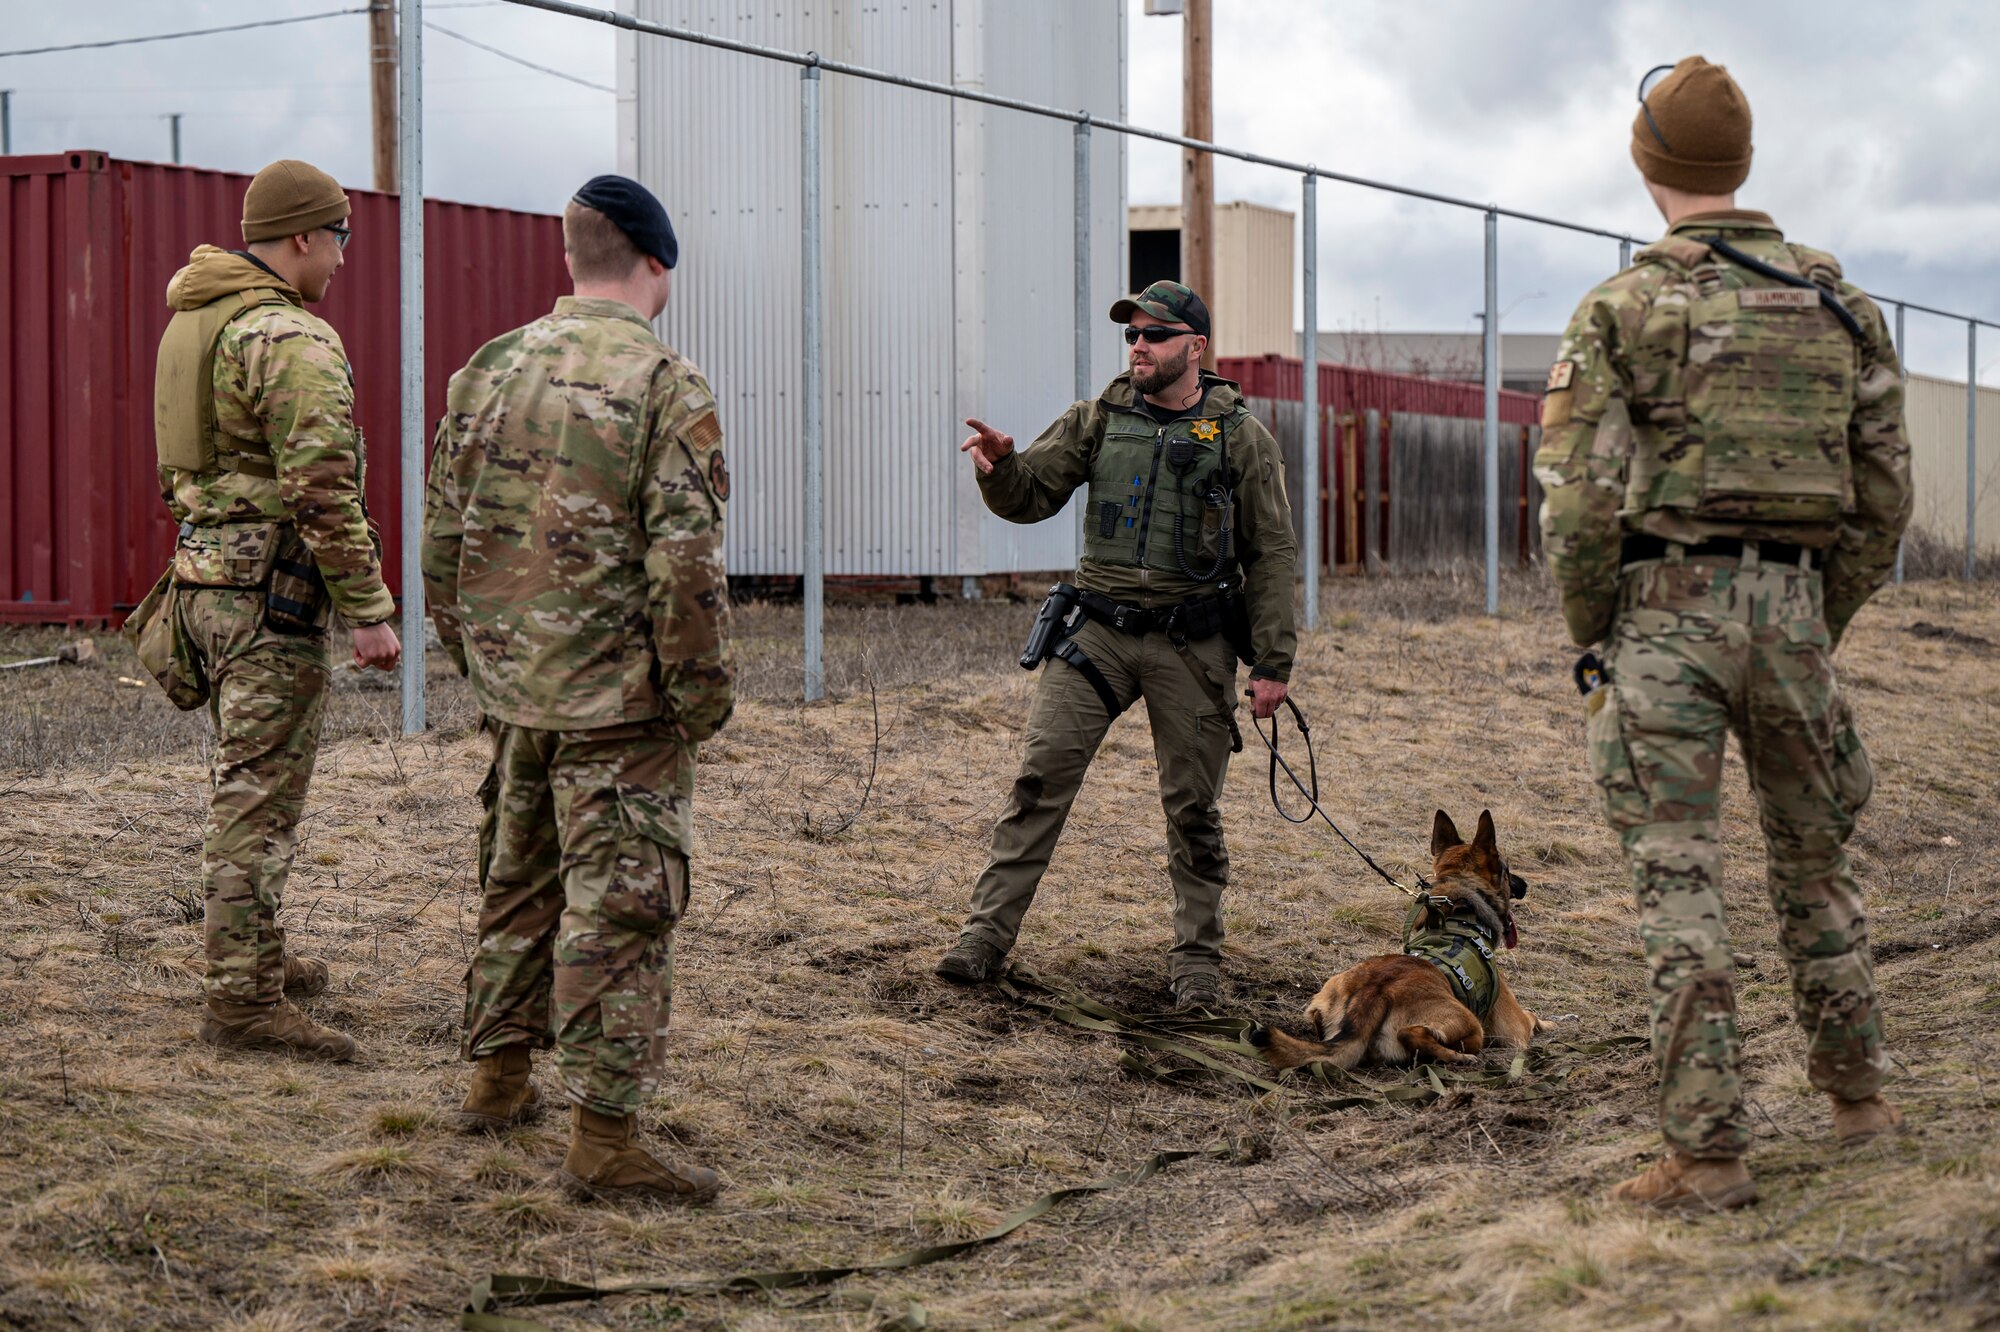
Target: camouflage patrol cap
<point x="1169" y="302"/>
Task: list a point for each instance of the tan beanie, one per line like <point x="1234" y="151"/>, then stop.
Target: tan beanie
<point x="290" y="198"/>
<point x="1705" y="121"/>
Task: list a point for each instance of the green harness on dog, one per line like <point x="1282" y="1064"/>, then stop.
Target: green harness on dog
<point x="1458" y="945"/>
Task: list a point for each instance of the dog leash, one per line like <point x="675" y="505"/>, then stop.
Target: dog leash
<point x="1312" y="794"/>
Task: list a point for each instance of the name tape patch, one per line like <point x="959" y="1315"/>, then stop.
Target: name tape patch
<point x="1560" y="375"/>
<point x="1777" y="298"/>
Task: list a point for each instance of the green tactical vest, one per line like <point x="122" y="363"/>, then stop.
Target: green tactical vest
<point x="185" y="434"/>
<point x="1769" y="383"/>
<point x="1160" y="496"/>
<point x="1461" y="950"/>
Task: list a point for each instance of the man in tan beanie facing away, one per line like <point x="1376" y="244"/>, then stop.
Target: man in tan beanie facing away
<point x="1727" y="478"/>
<point x="261" y="464"/>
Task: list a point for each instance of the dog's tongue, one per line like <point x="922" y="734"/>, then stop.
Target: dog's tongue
<point x="1508" y="924"/>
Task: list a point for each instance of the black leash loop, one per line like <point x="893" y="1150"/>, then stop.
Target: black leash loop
<point x="1312" y="793"/>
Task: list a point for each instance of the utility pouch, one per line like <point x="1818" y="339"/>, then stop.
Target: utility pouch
<point x="296" y="601"/>
<point x="153" y="630"/>
<point x="227" y="555"/>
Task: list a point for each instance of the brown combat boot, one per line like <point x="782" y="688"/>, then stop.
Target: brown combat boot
<point x="604" y="1163"/>
<point x="304" y="976"/>
<point x="1856" y="1122"/>
<point x="279" y="1027"/>
<point x="1678" y="1182"/>
<point x="502" y="1094"/>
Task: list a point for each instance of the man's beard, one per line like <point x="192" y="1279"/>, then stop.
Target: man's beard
<point x="1164" y="373"/>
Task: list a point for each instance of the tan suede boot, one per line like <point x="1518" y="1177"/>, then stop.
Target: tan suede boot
<point x="502" y="1094"/>
<point x="1678" y="1182"/>
<point x="604" y="1163"/>
<point x="1856" y="1122"/>
<point x="304" y="976"/>
<point x="279" y="1027"/>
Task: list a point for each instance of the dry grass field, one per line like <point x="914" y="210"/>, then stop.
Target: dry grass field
<point x="860" y="1108"/>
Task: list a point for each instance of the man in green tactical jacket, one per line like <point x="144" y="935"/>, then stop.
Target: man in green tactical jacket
<point x="1188" y="561"/>
<point x="1727" y="478"/>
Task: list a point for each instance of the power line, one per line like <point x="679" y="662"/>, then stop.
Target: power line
<point x="508" y="55"/>
<point x="191" y="32"/>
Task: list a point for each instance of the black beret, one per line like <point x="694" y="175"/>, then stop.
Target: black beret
<point x="634" y="211"/>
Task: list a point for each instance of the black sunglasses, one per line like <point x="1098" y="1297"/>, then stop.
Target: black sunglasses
<point x="1646" y="85"/>
<point x="341" y="235"/>
<point x="1153" y="333"/>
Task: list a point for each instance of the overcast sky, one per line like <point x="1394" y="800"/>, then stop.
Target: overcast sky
<point x="1874" y="126"/>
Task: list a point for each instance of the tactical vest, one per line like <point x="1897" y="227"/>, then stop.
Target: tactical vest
<point x="1461" y="950"/>
<point x="184" y="430"/>
<point x="1161" y="496"/>
<point x="1769" y="378"/>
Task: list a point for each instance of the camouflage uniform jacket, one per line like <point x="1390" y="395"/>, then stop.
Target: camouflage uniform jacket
<point x="1030" y="485"/>
<point x="573" y="528"/>
<point x="1618" y="392"/>
<point x="282" y="383"/>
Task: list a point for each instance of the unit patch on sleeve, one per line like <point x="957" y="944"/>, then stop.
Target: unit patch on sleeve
<point x="718" y="476"/>
<point x="1560" y="375"/>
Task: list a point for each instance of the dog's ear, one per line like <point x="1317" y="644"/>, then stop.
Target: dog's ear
<point x="1444" y="835"/>
<point x="1484" y="840"/>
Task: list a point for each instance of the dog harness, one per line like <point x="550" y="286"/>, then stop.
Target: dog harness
<point x="1459" y="947"/>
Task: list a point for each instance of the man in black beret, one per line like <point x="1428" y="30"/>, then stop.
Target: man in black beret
<point x="573" y="563"/>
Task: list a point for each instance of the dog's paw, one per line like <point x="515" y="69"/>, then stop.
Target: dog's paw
<point x="1259" y="1036"/>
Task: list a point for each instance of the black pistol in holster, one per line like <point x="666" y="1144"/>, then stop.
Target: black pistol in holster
<point x="1051" y="626"/>
<point x="1050" y="638"/>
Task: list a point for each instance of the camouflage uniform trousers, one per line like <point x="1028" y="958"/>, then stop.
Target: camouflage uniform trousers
<point x="268" y="696"/>
<point x="1190" y="724"/>
<point x="582" y="884"/>
<point x="1700" y="650"/>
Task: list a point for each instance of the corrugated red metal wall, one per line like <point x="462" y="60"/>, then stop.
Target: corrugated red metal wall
<point x="87" y="244"/>
<point x="1347" y="388"/>
<point x="1346" y="392"/>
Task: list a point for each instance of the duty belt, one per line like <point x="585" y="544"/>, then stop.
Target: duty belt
<point x="1642" y="547"/>
<point x="1195" y="620"/>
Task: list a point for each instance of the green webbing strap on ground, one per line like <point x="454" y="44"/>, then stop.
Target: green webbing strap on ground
<point x="502" y="1291"/>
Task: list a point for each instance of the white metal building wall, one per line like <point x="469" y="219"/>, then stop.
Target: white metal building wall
<point x="947" y="257"/>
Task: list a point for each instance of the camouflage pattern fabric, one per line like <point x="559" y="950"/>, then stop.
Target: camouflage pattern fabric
<point x="573" y="532"/>
<point x="282" y="383"/>
<point x="573" y="557"/>
<point x="583" y="880"/>
<point x="1701" y="649"/>
<point x="1067" y="722"/>
<point x="1032" y="484"/>
<point x="269" y="693"/>
<point x="1617" y="416"/>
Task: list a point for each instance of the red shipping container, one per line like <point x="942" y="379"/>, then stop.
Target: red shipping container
<point x="87" y="245"/>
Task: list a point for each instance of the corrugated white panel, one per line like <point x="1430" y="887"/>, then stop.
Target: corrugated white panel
<point x="717" y="135"/>
<point x="1934" y="415"/>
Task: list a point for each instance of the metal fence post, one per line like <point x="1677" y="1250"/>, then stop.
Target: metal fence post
<point x="1080" y="302"/>
<point x="1492" y="382"/>
<point x="1971" y="446"/>
<point x="1371" y="471"/>
<point x="1309" y="393"/>
<point x="810" y="394"/>
<point x="1900" y="541"/>
<point x="410" y="215"/>
<point x="1625" y="254"/>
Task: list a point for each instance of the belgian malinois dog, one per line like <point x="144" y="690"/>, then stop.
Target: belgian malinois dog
<point x="1444" y="995"/>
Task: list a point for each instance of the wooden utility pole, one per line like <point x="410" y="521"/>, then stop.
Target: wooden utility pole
<point x="382" y="91"/>
<point x="1197" y="169"/>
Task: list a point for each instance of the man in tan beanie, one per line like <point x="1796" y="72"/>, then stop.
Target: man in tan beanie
<point x="262" y="466"/>
<point x="1727" y="478"/>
